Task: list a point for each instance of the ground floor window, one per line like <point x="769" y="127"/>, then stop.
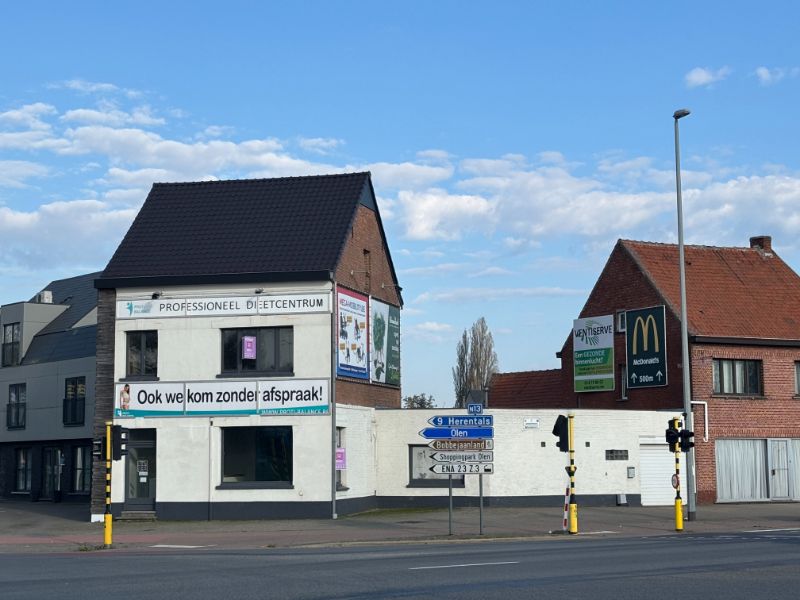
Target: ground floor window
<point x="81" y="469"/>
<point x="22" y="469"/>
<point x="420" y="462"/>
<point x="257" y="456"/>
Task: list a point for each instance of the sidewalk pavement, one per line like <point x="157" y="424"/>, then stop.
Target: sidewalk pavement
<point x="46" y="527"/>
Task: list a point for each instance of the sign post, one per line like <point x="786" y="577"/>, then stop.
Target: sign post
<point x="464" y="445"/>
<point x="646" y="347"/>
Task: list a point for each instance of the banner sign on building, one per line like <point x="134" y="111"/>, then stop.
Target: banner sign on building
<point x="384" y="347"/>
<point x="353" y="339"/>
<point x="646" y="347"/>
<point x="205" y="398"/>
<point x="264" y="304"/>
<point x="593" y="353"/>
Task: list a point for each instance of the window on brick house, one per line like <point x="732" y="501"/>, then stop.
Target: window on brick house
<point x="738" y="377"/>
<point x="797" y="378"/>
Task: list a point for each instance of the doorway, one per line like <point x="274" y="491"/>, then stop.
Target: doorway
<point x="779" y="469"/>
<point x="53" y="460"/>
<point x="140" y="470"/>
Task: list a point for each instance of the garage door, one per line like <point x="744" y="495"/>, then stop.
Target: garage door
<point x="656" y="467"/>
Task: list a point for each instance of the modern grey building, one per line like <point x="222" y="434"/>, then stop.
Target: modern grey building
<point x="47" y="376"/>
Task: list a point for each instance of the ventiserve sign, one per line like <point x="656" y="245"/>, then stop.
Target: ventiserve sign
<point x="593" y="353"/>
<point x="646" y="347"/>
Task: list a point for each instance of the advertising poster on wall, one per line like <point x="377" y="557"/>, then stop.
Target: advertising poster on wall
<point x="593" y="353"/>
<point x="207" y="398"/>
<point x="384" y="342"/>
<point x="353" y="340"/>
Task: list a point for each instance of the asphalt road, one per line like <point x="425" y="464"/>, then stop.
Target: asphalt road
<point x="733" y="566"/>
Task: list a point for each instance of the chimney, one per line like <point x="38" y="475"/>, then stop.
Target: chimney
<point x="762" y="242"/>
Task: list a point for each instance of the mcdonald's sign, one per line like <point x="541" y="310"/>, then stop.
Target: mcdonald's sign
<point x="646" y="346"/>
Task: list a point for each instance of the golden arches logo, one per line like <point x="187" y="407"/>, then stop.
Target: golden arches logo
<point x="645" y="328"/>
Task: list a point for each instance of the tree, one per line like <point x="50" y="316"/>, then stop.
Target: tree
<point x="418" y="401"/>
<point x="476" y="361"/>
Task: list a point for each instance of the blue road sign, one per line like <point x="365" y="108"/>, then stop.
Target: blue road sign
<point x="462" y="421"/>
<point x="455" y="433"/>
<point x="475" y="409"/>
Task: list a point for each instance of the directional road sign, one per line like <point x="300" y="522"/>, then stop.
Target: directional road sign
<point x="475" y="408"/>
<point x="463" y="468"/>
<point x="445" y="433"/>
<point x="646" y="345"/>
<point x="461" y="445"/>
<point x="465" y="457"/>
<point x="462" y="421"/>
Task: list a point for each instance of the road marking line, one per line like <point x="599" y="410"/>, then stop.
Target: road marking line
<point x="766" y="530"/>
<point x="510" y="562"/>
<point x="595" y="532"/>
<point x="180" y="546"/>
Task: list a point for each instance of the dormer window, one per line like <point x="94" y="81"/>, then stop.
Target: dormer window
<point x="10" y="344"/>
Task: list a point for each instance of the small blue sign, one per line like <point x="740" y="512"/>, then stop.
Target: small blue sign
<point x="462" y="421"/>
<point x="475" y="409"/>
<point x="457" y="433"/>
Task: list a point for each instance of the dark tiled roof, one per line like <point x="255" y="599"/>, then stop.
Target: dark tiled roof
<point x="58" y="340"/>
<point x="526" y="389"/>
<point x="730" y="292"/>
<point x="258" y="226"/>
<point x="62" y="345"/>
<point x="78" y="293"/>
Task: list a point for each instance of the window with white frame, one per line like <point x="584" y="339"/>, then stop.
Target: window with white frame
<point x="738" y="377"/>
<point x="797" y="378"/>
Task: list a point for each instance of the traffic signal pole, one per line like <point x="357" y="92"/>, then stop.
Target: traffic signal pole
<point x="573" y="498"/>
<point x="107" y="537"/>
<point x="678" y="500"/>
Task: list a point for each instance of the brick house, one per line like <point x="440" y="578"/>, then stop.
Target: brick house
<point x="744" y="342"/>
<point x="235" y="343"/>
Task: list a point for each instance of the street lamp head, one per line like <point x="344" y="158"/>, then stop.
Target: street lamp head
<point x="679" y="114"/>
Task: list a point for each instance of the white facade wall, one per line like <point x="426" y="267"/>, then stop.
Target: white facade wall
<point x="360" y="442"/>
<point x="522" y="466"/>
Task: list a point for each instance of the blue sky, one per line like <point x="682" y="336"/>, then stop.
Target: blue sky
<point x="510" y="144"/>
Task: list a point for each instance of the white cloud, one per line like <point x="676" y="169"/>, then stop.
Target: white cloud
<point x="88" y="87"/>
<point x="767" y="76"/>
<point x="319" y="145"/>
<point x="13" y="173"/>
<point x="405" y="175"/>
<point x="702" y="76"/>
<point x="435" y="269"/>
<point x="436" y="214"/>
<point x="491" y="272"/>
<point x="434" y="156"/>
<point x="29" y="116"/>
<point x="113" y="117"/>
<point x="430" y="331"/>
<point x="484" y="294"/>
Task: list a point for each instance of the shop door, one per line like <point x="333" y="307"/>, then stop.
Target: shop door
<point x="140" y="470"/>
<point x="779" y="469"/>
<point x="51" y="474"/>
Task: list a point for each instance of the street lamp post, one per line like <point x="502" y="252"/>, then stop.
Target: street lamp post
<point x="687" y="386"/>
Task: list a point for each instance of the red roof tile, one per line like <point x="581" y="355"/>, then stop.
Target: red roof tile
<point x="730" y="292"/>
<point x="527" y="389"/>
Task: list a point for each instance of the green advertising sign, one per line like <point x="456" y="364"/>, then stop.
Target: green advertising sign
<point x="384" y="343"/>
<point x="646" y="347"/>
<point x="593" y="354"/>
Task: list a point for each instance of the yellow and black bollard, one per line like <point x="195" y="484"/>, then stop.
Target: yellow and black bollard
<point x="107" y="537"/>
<point x="573" y="498"/>
<point x="677" y="483"/>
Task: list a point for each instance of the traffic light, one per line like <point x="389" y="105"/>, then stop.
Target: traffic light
<point x="686" y="440"/>
<point x="99" y="448"/>
<point x="673" y="436"/>
<point x="561" y="431"/>
<point x="119" y="442"/>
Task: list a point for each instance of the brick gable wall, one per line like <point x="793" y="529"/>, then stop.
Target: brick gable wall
<point x="622" y="286"/>
<point x="370" y="274"/>
<point x="775" y="415"/>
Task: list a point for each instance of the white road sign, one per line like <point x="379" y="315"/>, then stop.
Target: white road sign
<point x="463" y="468"/>
<point x="465" y="457"/>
